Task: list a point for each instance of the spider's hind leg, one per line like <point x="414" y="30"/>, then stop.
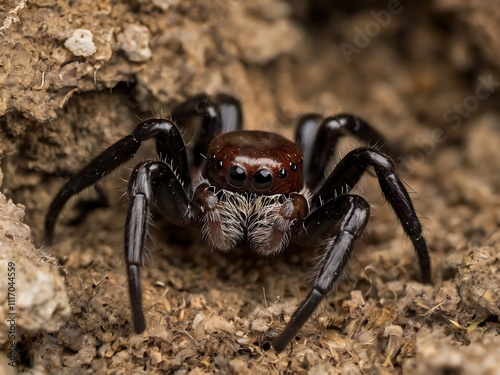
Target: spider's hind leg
<point x="318" y="138"/>
<point x="169" y="145"/>
<point x="212" y="116"/>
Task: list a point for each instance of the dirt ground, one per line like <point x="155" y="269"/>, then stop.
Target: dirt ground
<point x="426" y="74"/>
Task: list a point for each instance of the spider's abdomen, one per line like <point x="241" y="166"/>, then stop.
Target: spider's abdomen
<point x="254" y="162"/>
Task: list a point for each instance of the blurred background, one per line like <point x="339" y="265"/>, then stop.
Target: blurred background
<point x="76" y="77"/>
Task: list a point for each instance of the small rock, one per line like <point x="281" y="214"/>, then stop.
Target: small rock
<point x="134" y="41"/>
<point x="81" y="43"/>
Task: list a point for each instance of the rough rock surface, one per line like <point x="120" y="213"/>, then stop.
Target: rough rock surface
<point x="33" y="296"/>
<point x="425" y="74"/>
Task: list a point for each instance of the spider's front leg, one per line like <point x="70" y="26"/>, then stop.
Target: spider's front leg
<point x="215" y="115"/>
<point x="318" y="151"/>
<point x="164" y="184"/>
<point x="152" y="183"/>
<point x="341" y="220"/>
<point x="347" y="214"/>
<point x="348" y="172"/>
<point x="160" y="184"/>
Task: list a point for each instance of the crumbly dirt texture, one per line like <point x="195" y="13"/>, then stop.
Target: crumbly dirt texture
<point x="76" y="78"/>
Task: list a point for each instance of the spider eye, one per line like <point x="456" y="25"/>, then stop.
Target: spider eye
<point x="262" y="179"/>
<point x="282" y="173"/>
<point x="218" y="163"/>
<point x="237" y="176"/>
<point x="293" y="167"/>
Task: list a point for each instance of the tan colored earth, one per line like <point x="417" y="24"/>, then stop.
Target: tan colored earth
<point x="75" y="77"/>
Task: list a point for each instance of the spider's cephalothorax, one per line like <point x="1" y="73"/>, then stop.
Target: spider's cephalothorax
<point x="251" y="186"/>
<point x="253" y="175"/>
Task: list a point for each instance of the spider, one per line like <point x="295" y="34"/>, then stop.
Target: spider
<point x="251" y="186"/>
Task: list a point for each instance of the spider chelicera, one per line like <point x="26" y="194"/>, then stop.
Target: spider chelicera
<point x="251" y="186"/>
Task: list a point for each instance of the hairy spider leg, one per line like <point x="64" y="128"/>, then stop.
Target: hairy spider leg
<point x="346" y="175"/>
<point x="156" y="183"/>
<point x="151" y="183"/>
<point x="164" y="182"/>
<point x="230" y="112"/>
<point x="217" y="115"/>
<point x="347" y="215"/>
<point x="167" y="140"/>
<point x="342" y="219"/>
<point x="318" y="138"/>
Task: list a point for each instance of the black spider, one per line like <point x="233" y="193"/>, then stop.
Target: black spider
<point x="251" y="185"/>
